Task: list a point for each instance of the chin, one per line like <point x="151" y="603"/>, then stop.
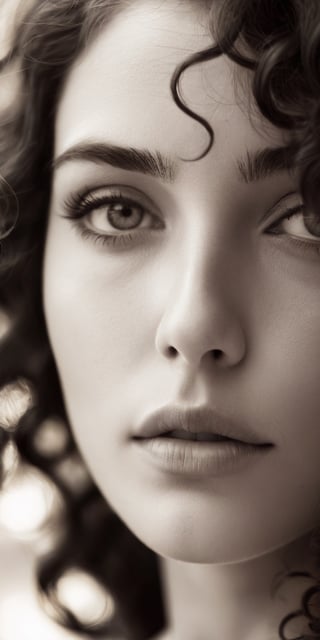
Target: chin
<point x="178" y="541"/>
<point x="192" y="552"/>
<point x="187" y="540"/>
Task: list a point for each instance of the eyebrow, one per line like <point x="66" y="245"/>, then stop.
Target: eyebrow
<point x="252" y="167"/>
<point x="264" y="163"/>
<point x="127" y="158"/>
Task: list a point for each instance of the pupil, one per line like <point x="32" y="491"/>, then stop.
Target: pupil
<point x="126" y="211"/>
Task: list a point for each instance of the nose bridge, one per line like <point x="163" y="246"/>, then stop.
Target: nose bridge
<point x="201" y="314"/>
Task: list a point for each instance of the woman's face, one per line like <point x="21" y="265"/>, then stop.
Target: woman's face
<point x="197" y="285"/>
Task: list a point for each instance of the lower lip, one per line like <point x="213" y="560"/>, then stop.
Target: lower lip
<point x="196" y="458"/>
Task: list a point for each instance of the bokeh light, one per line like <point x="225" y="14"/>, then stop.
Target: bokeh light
<point x="22" y="619"/>
<point x="29" y="503"/>
<point x="51" y="439"/>
<point x="15" y="399"/>
<point x="4" y="323"/>
<point x="9" y="464"/>
<point x="74" y="474"/>
<point x="87" y="600"/>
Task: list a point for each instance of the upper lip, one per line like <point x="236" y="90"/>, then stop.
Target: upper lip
<point x="196" y="420"/>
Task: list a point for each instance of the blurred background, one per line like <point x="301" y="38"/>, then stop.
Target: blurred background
<point x="31" y="518"/>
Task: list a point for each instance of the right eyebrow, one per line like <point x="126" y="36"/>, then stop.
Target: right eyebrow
<point x="127" y="158"/>
<point x="265" y="163"/>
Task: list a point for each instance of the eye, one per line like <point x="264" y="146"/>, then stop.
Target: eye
<point x="302" y="224"/>
<point x="297" y="221"/>
<point x="113" y="211"/>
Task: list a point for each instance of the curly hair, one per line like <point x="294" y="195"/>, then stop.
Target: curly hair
<point x="284" y="43"/>
<point x="279" y="44"/>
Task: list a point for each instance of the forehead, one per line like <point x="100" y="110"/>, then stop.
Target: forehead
<point x="119" y="89"/>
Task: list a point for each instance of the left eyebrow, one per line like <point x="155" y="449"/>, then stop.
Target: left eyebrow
<point x="264" y="163"/>
<point x="127" y="158"/>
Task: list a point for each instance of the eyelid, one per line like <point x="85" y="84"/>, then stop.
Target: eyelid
<point x="282" y="203"/>
<point x="282" y="208"/>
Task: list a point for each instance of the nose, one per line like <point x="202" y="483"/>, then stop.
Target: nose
<point x="202" y="319"/>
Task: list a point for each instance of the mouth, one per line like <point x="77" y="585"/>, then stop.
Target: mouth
<point x="199" y="424"/>
<point x="197" y="442"/>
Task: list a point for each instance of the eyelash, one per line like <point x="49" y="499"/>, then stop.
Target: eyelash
<point x="78" y="206"/>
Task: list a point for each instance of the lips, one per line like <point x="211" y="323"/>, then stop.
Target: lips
<point x="201" y="424"/>
<point x="196" y="443"/>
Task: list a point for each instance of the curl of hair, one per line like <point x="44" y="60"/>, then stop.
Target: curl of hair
<point x="282" y="40"/>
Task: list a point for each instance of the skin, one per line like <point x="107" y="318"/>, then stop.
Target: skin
<point x="210" y="276"/>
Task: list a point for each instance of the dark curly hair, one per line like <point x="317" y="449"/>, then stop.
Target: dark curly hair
<point x="279" y="43"/>
<point x="284" y="41"/>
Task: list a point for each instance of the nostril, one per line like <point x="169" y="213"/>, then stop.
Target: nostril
<point x="217" y="354"/>
<point x="172" y="352"/>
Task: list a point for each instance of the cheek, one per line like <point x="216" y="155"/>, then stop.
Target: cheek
<point x="282" y="393"/>
<point x="93" y="306"/>
<point x="98" y="334"/>
<point x="287" y="356"/>
<point x="97" y="328"/>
